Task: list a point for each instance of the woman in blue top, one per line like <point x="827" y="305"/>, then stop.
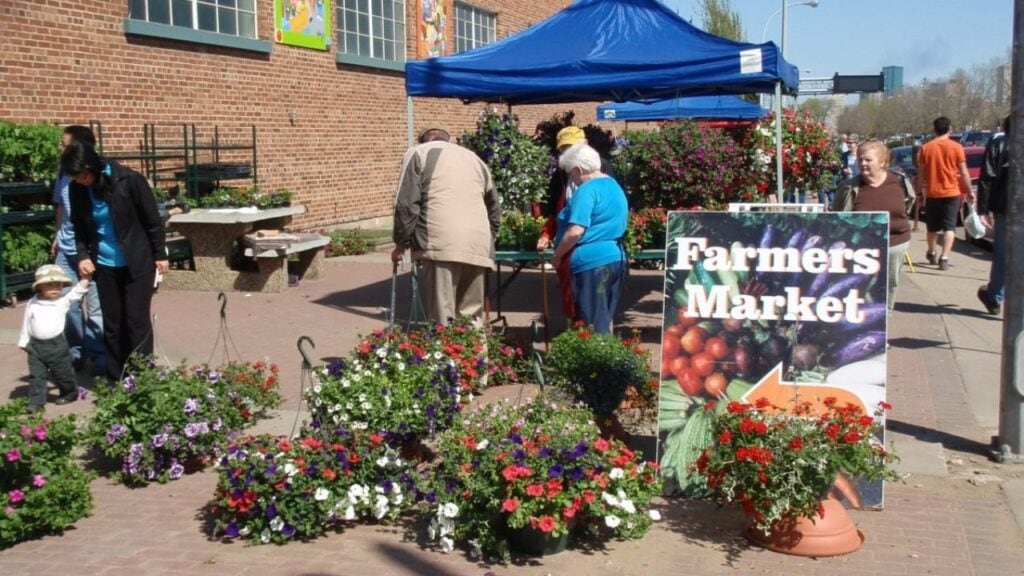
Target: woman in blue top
<point x="119" y="238"/>
<point x="589" y="232"/>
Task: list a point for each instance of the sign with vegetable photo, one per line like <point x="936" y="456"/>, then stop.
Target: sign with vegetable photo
<point x="788" y="307"/>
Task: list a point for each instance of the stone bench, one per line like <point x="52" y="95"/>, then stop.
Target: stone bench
<point x="273" y="263"/>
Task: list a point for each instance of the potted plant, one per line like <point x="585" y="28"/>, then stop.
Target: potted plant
<point x="596" y="370"/>
<point x="541" y="468"/>
<point x="158" y="421"/>
<point x="43" y="489"/>
<point x="780" y="467"/>
<point x="518" y="166"/>
<point x="272" y="489"/>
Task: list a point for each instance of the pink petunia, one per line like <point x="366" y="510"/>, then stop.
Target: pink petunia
<point x="40" y="433"/>
<point x="13" y="455"/>
<point x="39" y="481"/>
<point x="15" y="496"/>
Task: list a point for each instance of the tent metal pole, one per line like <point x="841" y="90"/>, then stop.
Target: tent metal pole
<point x="778" y="141"/>
<point x="410" y="121"/>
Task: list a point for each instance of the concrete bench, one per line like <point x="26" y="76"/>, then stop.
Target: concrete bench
<point x="274" y="263"/>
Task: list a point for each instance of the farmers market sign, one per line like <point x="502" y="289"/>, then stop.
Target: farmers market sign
<point x="790" y="307"/>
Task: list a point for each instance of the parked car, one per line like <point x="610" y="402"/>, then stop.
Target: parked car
<point x="901" y="159"/>
<point x="976" y="138"/>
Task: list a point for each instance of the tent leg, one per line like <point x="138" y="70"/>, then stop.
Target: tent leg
<point x="778" y="141"/>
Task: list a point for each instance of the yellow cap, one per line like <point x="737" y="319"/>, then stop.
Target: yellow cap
<point x="570" y="135"/>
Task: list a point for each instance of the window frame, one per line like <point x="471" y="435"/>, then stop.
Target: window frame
<point x="399" y="38"/>
<point x="143" y="27"/>
<point x="472" y="25"/>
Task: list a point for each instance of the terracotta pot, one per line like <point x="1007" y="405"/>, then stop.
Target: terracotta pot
<point x="832" y="535"/>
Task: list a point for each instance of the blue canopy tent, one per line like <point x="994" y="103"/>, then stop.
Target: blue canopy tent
<point x="697" y="107"/>
<point x="600" y="50"/>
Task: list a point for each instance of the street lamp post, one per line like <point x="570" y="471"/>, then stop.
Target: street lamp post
<point x="778" y="89"/>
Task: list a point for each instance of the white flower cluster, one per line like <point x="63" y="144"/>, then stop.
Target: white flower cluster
<point x="442" y="526"/>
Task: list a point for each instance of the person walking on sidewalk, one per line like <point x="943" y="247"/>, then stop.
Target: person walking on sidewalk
<point x="944" y="176"/>
<point x="84" y="330"/>
<point x="447" y="212"/>
<point x="993" y="197"/>
<point x="877" y="189"/>
<point x="42" y="336"/>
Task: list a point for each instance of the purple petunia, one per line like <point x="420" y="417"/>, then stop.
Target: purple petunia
<point x="231" y="530"/>
<point x="128" y="383"/>
<point x="271" y="511"/>
<point x="213" y="376"/>
<point x="176" y="471"/>
<point x="191" y="405"/>
<point x="115" y="432"/>
<point x="288" y="530"/>
<point x="159" y="440"/>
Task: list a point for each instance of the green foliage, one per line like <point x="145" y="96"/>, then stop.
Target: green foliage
<point x="272" y="489"/>
<point x="645" y="229"/>
<point x="28" y="152"/>
<point x="540" y="465"/>
<point x="42" y="488"/>
<point x="684" y="165"/>
<point x="241" y="197"/>
<point x="519" y="167"/>
<point x="718" y="18"/>
<point x="348" y="243"/>
<point x="27" y="246"/>
<point x="519" y="231"/>
<point x="157" y="419"/>
<point x="596" y="369"/>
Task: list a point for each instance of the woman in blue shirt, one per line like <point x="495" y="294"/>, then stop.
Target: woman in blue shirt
<point x="589" y="232"/>
<point x="120" y="244"/>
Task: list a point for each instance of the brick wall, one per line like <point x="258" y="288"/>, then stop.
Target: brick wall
<point x="333" y="134"/>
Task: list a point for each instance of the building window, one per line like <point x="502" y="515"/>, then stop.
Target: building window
<point x="372" y="29"/>
<point x="231" y="17"/>
<point x="473" y="27"/>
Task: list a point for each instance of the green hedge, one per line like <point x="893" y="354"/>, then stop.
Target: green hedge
<point x="28" y="152"/>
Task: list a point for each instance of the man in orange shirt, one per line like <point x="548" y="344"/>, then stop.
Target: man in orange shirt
<point x="943" y="171"/>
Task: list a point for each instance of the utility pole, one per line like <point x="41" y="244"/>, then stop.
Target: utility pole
<point x="1010" y="442"/>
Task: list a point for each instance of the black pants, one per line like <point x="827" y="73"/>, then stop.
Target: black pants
<point x="127" y="328"/>
<point x="46" y="358"/>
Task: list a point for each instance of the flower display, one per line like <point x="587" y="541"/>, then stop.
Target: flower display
<point x="518" y="231"/>
<point x="541" y="465"/>
<point x="42" y="488"/>
<point x="271" y="489"/>
<point x="809" y="160"/>
<point x="596" y="369"/>
<point x="683" y="165"/>
<point x="778" y="464"/>
<point x="645" y="229"/>
<point x="519" y="167"/>
<point x="158" y="419"/>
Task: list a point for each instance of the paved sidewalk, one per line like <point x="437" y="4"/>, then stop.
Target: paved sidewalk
<point x="952" y="516"/>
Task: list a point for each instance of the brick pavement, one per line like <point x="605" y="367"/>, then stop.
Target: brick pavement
<point x="936" y="523"/>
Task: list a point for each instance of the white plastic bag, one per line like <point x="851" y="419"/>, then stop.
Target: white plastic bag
<point x="972" y="223"/>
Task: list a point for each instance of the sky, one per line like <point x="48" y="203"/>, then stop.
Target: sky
<point x="929" y="38"/>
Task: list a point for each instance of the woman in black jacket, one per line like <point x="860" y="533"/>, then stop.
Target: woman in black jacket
<point x="120" y="240"/>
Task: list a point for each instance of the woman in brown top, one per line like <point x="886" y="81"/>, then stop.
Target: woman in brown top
<point x="876" y="189"/>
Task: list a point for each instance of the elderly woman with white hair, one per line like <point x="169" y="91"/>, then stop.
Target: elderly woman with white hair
<point x="589" y="232"/>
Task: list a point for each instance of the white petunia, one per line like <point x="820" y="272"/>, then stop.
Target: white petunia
<point x="617" y="473"/>
<point x="321" y="494"/>
<point x="244" y="531"/>
<point x="265" y="536"/>
<point x="382" y="462"/>
<point x="380" y="506"/>
<point x="612" y="521"/>
<point x="317" y="389"/>
<point x="350" y="513"/>
<point x="449" y="510"/>
<point x="276" y="524"/>
<point x="290" y="469"/>
<point x="654" y="514"/>
<point x="610" y="499"/>
<point x="628" y="506"/>
<point x="482" y="444"/>
<point x="447" y="545"/>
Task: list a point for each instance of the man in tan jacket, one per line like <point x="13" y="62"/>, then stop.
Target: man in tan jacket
<point x="448" y="212"/>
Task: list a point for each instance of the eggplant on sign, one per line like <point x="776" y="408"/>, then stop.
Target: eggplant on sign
<point x="784" y="306"/>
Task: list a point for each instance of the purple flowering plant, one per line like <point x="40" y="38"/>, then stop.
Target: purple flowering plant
<point x="272" y="489"/>
<point x="43" y="489"/>
<point x="160" y="421"/>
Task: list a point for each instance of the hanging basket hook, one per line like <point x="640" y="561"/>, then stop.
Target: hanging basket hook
<point x="223" y="304"/>
<point x="306" y="364"/>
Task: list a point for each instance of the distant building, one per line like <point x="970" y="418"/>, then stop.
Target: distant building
<point x="893" y="79"/>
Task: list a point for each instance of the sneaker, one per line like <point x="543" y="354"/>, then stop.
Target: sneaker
<point x="943" y="263"/>
<point x="34" y="409"/>
<point x="992" y="307"/>
<point x="66" y="398"/>
<point x="932" y="257"/>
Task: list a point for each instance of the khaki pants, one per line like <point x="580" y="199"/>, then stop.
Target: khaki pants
<point x="452" y="289"/>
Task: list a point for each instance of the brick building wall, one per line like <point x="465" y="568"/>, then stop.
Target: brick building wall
<point x="331" y="133"/>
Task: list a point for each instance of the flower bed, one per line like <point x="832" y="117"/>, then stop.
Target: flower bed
<point x="42" y="489"/>
<point x="157" y="420"/>
<point x="777" y="465"/>
<point x="540" y="465"/>
<point x="270" y="489"/>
